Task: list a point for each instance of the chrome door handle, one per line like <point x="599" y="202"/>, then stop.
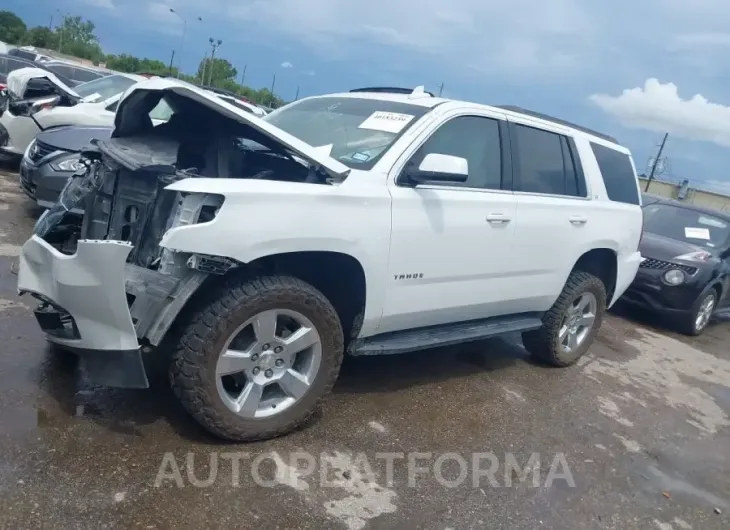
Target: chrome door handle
<point x="498" y="218"/>
<point x="577" y="220"/>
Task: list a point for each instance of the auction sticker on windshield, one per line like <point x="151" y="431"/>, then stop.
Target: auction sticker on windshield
<point x="392" y="122"/>
<point x="697" y="233"/>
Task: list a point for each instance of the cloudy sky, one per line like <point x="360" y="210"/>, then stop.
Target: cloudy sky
<point x="633" y="68"/>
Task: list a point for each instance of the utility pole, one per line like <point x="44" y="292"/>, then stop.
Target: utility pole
<point x="205" y="66"/>
<point x="60" y="33"/>
<point x="296" y="97"/>
<point x="441" y="88"/>
<point x="243" y="75"/>
<point x="214" y="44"/>
<point x="273" y="82"/>
<point x="172" y="57"/>
<point x="656" y="161"/>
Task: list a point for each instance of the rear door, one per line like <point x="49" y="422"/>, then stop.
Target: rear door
<point x="555" y="218"/>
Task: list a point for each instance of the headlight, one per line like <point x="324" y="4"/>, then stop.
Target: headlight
<point x="674" y="277"/>
<point x="70" y="164"/>
<point x="30" y="150"/>
<point x="700" y="255"/>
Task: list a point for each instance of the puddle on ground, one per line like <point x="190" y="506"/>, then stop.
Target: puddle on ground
<point x="672" y="371"/>
<point x="673" y="485"/>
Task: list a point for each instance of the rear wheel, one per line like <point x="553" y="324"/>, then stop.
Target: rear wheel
<point x="696" y="321"/>
<point x="571" y="324"/>
<point x="256" y="361"/>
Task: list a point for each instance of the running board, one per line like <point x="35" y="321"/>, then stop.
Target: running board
<point x="444" y="335"/>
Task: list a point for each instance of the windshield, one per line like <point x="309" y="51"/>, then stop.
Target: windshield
<point x="683" y="224"/>
<point x="358" y="130"/>
<point x="104" y="88"/>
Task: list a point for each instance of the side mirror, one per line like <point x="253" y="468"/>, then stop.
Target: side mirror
<point x="28" y="107"/>
<point x="436" y="167"/>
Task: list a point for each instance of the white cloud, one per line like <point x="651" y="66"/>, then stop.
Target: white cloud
<point x="658" y="107"/>
<point x="287" y="64"/>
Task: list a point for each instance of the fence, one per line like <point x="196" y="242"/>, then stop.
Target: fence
<point x="692" y="195"/>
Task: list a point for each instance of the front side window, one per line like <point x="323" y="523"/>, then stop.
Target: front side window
<point x="357" y="131"/>
<point x="684" y="224"/>
<point x="544" y="163"/>
<point x="473" y="138"/>
<point x="104" y="88"/>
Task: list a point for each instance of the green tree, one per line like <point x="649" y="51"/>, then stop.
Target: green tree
<point x="41" y="37"/>
<point x="12" y="27"/>
<point x="217" y="70"/>
<point x="76" y="37"/>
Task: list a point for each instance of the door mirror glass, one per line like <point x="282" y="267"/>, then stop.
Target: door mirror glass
<point x="436" y="167"/>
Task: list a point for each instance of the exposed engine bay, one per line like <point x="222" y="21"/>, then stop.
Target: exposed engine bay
<point x="122" y="195"/>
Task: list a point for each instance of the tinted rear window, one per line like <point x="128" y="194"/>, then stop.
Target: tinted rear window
<point x="83" y="76"/>
<point x="23" y="54"/>
<point x="618" y="174"/>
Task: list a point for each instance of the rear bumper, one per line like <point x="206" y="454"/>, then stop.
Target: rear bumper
<point x="627" y="269"/>
<point x="84" y="306"/>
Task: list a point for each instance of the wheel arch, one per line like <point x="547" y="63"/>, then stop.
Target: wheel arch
<point x="339" y="276"/>
<point x="603" y="264"/>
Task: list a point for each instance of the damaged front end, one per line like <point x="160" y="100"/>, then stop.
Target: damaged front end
<point x="107" y="287"/>
<point x="103" y="282"/>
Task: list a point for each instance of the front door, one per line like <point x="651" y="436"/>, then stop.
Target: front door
<point x="451" y="244"/>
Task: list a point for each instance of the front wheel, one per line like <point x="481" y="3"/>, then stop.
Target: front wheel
<point x="571" y="324"/>
<point x="257" y="359"/>
<point x="696" y="321"/>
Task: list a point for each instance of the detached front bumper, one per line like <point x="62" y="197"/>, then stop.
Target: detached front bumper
<point x="84" y="306"/>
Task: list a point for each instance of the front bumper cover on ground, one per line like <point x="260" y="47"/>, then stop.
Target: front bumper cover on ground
<point x="85" y="306"/>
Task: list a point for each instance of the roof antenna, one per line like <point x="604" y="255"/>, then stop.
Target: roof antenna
<point x="419" y="92"/>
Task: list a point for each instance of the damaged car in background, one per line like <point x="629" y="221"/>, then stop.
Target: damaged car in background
<point x="29" y="112"/>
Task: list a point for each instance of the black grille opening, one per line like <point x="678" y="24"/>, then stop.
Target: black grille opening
<point x="41" y="150"/>
<point x="657" y="264"/>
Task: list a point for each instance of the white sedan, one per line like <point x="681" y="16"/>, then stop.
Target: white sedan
<point x="93" y="104"/>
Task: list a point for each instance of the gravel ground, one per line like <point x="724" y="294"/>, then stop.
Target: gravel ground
<point x="635" y="436"/>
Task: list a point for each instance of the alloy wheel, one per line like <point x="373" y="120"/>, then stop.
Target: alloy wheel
<point x="268" y="363"/>
<point x="578" y="322"/>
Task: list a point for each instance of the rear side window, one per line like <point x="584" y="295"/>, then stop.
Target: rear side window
<point x="545" y="163"/>
<point x="23" y="54"/>
<point x="618" y="174"/>
<point x="84" y="76"/>
<point x="60" y="69"/>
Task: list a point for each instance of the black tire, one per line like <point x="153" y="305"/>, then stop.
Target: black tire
<point x="192" y="372"/>
<point x="543" y="344"/>
<point x="687" y="324"/>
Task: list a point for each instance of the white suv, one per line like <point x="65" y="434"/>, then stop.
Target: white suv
<point x="371" y="222"/>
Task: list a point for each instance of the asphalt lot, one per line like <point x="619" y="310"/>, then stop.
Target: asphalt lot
<point x="643" y="423"/>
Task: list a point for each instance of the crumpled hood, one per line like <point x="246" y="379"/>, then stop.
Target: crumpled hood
<point x="71" y="138"/>
<point x="18" y="82"/>
<point x="312" y="155"/>
<point x="666" y="249"/>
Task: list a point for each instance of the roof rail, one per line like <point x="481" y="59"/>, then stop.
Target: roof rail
<point x="520" y="110"/>
<point x="392" y="90"/>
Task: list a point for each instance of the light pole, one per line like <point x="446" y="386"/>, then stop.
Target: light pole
<point x="214" y="44"/>
<point x="60" y="31"/>
<point x="182" y="40"/>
